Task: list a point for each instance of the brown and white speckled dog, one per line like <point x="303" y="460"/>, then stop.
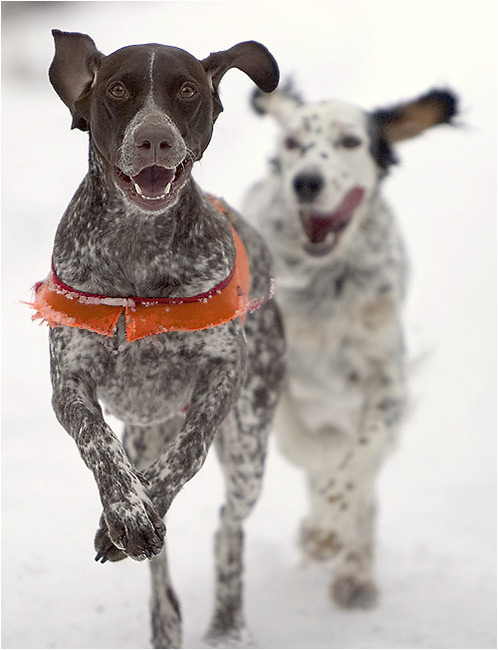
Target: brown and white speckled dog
<point x="139" y="228"/>
<point x="340" y="280"/>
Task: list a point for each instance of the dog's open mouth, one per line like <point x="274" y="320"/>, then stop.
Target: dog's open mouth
<point x="323" y="230"/>
<point x="154" y="187"/>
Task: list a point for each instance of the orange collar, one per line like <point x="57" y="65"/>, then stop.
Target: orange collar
<point x="58" y="304"/>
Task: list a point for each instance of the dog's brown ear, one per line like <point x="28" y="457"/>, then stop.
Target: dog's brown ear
<point x="250" y="57"/>
<point x="409" y="119"/>
<point x="73" y="71"/>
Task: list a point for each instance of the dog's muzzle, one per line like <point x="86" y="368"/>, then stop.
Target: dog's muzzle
<point x="153" y="161"/>
<point x="154" y="187"/>
<point x="323" y="229"/>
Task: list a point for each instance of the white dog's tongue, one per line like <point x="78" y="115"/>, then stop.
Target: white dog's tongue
<point x="318" y="226"/>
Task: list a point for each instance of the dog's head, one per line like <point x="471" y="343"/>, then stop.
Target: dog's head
<point x="150" y="109"/>
<point x="331" y="156"/>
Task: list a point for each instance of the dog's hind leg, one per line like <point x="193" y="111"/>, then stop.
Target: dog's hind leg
<point x="339" y="533"/>
<point x="143" y="445"/>
<point x="340" y="527"/>
<point x="242" y="459"/>
<point x="241" y="445"/>
<point x="354" y="585"/>
<point x="164" y="606"/>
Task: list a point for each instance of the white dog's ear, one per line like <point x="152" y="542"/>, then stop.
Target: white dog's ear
<point x="279" y="103"/>
<point x="409" y="119"/>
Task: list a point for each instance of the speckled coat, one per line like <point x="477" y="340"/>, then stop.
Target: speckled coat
<point x="139" y="226"/>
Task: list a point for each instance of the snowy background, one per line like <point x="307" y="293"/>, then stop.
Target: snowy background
<point x="437" y="527"/>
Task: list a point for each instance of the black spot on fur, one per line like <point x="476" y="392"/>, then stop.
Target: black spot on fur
<point x="291" y="261"/>
<point x="276" y="165"/>
<point x="254" y="102"/>
<point x="286" y="89"/>
<point x="339" y="284"/>
<point x="380" y="149"/>
<point x="260" y="398"/>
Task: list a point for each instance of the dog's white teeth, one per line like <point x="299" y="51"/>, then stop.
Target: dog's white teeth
<point x="139" y="191"/>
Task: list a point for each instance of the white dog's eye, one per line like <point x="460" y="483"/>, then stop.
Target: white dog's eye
<point x="349" y="141"/>
<point x="291" y="143"/>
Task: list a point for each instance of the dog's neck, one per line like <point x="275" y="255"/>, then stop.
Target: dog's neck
<point x="105" y="245"/>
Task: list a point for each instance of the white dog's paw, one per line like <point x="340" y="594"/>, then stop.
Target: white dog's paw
<point x="352" y="593"/>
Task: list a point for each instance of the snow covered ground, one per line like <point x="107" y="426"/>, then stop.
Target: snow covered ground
<point x="437" y="528"/>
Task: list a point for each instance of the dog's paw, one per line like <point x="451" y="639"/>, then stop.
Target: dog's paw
<point x="352" y="593"/>
<point x="239" y="638"/>
<point x="137" y="530"/>
<point x="134" y="529"/>
<point x="106" y="551"/>
<point x="318" y="544"/>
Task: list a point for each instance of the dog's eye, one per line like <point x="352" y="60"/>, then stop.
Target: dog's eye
<point x="291" y="143"/>
<point x="187" y="91"/>
<point x="117" y="90"/>
<point x="349" y="141"/>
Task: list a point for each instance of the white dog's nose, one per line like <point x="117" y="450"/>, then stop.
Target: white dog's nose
<point x="307" y="186"/>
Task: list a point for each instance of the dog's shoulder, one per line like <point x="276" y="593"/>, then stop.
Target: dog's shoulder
<point x="258" y="253"/>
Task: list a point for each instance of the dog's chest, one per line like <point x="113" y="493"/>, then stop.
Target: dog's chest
<point x="144" y="383"/>
<point x="343" y="332"/>
<point x="152" y="379"/>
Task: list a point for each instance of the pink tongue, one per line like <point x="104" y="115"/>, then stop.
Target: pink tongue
<point x="153" y="180"/>
<point x="317" y="227"/>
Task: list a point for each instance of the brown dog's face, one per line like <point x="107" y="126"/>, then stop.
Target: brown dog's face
<point x="150" y="109"/>
<point x="166" y="80"/>
<point x="150" y="115"/>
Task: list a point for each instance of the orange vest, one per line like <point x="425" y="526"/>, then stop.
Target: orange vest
<point x="58" y="304"/>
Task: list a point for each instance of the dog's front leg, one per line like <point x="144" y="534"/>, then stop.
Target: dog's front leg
<point x="132" y="521"/>
<point x="216" y="390"/>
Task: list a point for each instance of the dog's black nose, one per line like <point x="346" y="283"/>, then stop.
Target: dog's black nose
<point x="308" y="186"/>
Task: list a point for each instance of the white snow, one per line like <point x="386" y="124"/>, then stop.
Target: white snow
<point x="437" y="527"/>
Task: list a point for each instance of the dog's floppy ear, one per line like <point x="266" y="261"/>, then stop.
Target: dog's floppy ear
<point x="407" y="120"/>
<point x="73" y="71"/>
<point x="279" y="103"/>
<point x="250" y="57"/>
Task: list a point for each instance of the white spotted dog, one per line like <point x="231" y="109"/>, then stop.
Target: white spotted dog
<point x="340" y="280"/>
